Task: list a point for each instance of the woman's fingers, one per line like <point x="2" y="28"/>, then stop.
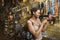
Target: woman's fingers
<point x="45" y="21"/>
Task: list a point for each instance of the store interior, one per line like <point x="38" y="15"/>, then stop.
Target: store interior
<point x="17" y="12"/>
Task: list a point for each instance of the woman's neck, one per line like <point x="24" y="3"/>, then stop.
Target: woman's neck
<point x="34" y="18"/>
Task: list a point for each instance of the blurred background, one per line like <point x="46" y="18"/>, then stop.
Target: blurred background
<point x="15" y="13"/>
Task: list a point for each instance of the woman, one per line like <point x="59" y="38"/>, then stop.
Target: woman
<point x="37" y="27"/>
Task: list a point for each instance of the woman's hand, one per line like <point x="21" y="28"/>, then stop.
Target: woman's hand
<point x="44" y="21"/>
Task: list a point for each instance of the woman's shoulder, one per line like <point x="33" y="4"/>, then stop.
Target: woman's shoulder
<point x="29" y="21"/>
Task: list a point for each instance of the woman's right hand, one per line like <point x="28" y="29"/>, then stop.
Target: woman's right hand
<point x="44" y="21"/>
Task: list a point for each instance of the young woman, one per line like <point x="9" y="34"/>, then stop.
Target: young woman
<point x="34" y="24"/>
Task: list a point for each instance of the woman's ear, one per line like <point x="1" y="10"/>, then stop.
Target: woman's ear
<point x="33" y="13"/>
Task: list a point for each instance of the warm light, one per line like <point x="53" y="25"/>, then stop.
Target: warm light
<point x="2" y="2"/>
<point x="24" y="0"/>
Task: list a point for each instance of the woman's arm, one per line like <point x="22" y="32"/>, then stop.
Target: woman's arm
<point x="32" y="30"/>
<point x="45" y="23"/>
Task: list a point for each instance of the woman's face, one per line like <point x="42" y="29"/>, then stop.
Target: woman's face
<point x="37" y="13"/>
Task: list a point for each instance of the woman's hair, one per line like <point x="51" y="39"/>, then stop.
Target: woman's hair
<point x="34" y="10"/>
